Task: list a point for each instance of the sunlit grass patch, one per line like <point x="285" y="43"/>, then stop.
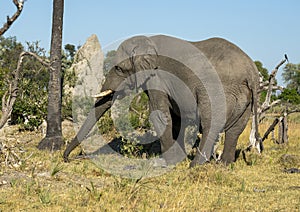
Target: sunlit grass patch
<point x="45" y="183"/>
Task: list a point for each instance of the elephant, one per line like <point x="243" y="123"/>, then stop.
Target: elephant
<point x="210" y="83"/>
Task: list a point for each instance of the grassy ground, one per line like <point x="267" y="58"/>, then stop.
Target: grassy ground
<point x="42" y="182"/>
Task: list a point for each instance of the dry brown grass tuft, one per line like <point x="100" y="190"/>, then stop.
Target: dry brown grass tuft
<point x="44" y="182"/>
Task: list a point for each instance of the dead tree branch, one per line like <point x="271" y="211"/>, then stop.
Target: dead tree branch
<point x="283" y="128"/>
<point x="282" y="120"/>
<point x="271" y="128"/>
<point x="10" y="96"/>
<point x="10" y="20"/>
<point x="269" y="86"/>
<point x="293" y="111"/>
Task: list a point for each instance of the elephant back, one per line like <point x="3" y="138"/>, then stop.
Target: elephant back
<point x="231" y="63"/>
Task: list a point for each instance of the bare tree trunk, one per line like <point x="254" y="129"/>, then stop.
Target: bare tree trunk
<point x="282" y="129"/>
<point x="273" y="136"/>
<point x="285" y="129"/>
<point x="280" y="133"/>
<point x="53" y="139"/>
<point x="10" y="21"/>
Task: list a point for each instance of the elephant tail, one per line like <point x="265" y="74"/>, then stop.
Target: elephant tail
<point x="255" y="113"/>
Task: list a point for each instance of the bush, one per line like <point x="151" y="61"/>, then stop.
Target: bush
<point x="30" y="107"/>
<point x="290" y="95"/>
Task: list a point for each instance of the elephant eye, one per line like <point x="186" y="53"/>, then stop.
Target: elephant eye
<point x="119" y="70"/>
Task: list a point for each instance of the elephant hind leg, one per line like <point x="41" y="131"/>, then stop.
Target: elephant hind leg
<point x="232" y="134"/>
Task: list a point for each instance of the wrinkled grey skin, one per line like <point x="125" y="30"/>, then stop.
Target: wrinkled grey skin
<point x="238" y="78"/>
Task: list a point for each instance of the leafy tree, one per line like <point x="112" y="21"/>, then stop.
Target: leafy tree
<point x="70" y="51"/>
<point x="31" y="102"/>
<point x="10" y="50"/>
<point x="262" y="70"/>
<point x="9" y="56"/>
<point x="33" y="88"/>
<point x="291" y="76"/>
<point x="290" y="95"/>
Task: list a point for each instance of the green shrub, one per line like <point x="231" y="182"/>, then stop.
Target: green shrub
<point x="290" y="95"/>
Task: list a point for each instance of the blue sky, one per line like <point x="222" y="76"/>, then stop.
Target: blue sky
<point x="264" y="29"/>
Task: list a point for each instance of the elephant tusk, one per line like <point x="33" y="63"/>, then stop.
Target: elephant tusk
<point x="103" y="93"/>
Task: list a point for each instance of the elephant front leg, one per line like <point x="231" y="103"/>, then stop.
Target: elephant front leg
<point x="210" y="135"/>
<point x="205" y="150"/>
<point x="161" y="119"/>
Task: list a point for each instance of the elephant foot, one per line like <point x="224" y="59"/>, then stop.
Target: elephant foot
<point x="174" y="155"/>
<point x="199" y="159"/>
<point x="226" y="162"/>
<point x="228" y="158"/>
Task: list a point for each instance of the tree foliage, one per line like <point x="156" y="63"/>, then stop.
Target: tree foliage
<point x="290" y="95"/>
<point x="262" y="70"/>
<point x="33" y="88"/>
<point x="30" y="107"/>
<point x="10" y="50"/>
<point x="70" y="51"/>
<point x="291" y="76"/>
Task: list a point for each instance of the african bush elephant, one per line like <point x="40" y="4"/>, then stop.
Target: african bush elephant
<point x="210" y="83"/>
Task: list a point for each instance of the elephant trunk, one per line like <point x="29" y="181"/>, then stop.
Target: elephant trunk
<point x="100" y="107"/>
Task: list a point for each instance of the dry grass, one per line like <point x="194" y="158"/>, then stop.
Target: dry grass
<point x="43" y="182"/>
